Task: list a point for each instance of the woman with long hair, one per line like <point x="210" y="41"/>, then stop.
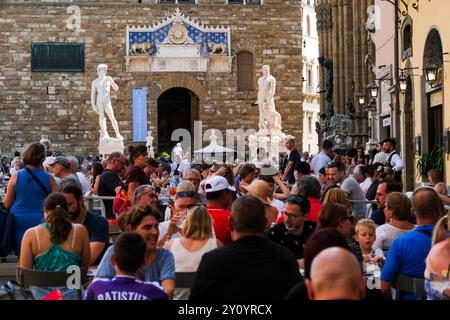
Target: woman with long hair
<point x="397" y="212"/>
<point x="197" y="239"/>
<point x="136" y="175"/>
<point x="58" y="243"/>
<point x="27" y="190"/>
<point x="159" y="263"/>
<point x="338" y="216"/>
<point x="435" y="179"/>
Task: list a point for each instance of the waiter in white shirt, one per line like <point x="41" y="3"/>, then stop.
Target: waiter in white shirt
<point x="394" y="161"/>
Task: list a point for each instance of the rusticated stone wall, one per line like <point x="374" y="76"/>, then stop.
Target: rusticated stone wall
<point x="57" y="104"/>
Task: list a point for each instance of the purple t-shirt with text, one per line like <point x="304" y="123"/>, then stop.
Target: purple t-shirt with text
<point x="124" y="288"/>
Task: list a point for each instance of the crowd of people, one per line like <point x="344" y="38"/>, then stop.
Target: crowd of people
<point x="305" y="228"/>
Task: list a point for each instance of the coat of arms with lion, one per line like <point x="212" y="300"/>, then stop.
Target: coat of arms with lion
<point x="217" y="48"/>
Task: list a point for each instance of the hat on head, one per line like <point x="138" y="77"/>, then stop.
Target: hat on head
<point x="63" y="161"/>
<point x="217" y="183"/>
<point x="261" y="190"/>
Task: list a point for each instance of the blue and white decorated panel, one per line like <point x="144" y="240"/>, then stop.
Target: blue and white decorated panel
<point x="178" y="30"/>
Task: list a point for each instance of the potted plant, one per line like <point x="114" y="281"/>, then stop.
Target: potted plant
<point x="430" y="160"/>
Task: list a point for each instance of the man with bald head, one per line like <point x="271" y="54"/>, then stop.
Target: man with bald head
<point x="336" y="275"/>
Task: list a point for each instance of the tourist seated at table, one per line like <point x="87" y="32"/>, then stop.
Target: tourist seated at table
<point x="185" y="197"/>
<point x="197" y="239"/>
<point x="145" y="195"/>
<point x="55" y="245"/>
<point x="159" y="264"/>
<point x="95" y="224"/>
<point x="263" y="191"/>
<point x="336" y="275"/>
<point x="397" y="212"/>
<point x="246" y="176"/>
<point x="136" y="175"/>
<point x="365" y="236"/>
<point x="309" y="187"/>
<point x="251" y="267"/>
<point x="336" y="215"/>
<point x="408" y="252"/>
<point x="437" y="272"/>
<point x="129" y="254"/>
<point x="294" y="231"/>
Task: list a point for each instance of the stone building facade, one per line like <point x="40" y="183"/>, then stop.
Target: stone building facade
<point x="311" y="104"/>
<point x="57" y="104"/>
<point x="343" y="40"/>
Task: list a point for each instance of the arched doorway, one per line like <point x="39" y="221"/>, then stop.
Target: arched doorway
<point x="177" y="109"/>
<point x="434" y="93"/>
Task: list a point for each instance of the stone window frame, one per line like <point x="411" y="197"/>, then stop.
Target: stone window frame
<point x="245" y="87"/>
<point x="407" y="52"/>
<point x="247" y="46"/>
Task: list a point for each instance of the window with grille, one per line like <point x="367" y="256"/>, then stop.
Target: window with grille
<point x="245" y="71"/>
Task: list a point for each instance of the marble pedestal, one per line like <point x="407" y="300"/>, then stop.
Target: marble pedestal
<point x="273" y="142"/>
<point x="107" y="146"/>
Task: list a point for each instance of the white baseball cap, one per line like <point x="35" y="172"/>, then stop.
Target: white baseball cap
<point x="217" y="183"/>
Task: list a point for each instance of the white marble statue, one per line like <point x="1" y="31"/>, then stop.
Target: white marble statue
<point x="102" y="104"/>
<point x="149" y="144"/>
<point x="269" y="118"/>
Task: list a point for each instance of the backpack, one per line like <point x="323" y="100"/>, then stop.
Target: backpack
<point x="121" y="203"/>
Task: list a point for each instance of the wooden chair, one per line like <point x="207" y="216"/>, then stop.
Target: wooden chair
<point x="184" y="280"/>
<point x="405" y="284"/>
<point x="28" y="277"/>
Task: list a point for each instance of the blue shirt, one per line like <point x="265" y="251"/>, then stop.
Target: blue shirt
<point x="319" y="161"/>
<point x="407" y="256"/>
<point x="124" y="288"/>
<point x="162" y="268"/>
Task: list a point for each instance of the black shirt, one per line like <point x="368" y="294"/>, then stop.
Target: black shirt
<point x="136" y="174"/>
<point x="109" y="181"/>
<point x="251" y="268"/>
<point x="295" y="157"/>
<point x="295" y="243"/>
<point x="98" y="230"/>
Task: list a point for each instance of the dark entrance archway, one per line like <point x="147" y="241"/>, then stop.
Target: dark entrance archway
<point x="177" y="109"/>
<point x="433" y="55"/>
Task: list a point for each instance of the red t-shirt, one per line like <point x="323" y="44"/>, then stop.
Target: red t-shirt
<point x="221" y="220"/>
<point x="314" y="211"/>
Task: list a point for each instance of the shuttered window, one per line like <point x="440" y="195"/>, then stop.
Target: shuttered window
<point x="245" y="71"/>
<point x="57" y="57"/>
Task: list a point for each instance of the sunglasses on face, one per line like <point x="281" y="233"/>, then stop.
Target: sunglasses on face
<point x="187" y="194"/>
<point x="291" y="215"/>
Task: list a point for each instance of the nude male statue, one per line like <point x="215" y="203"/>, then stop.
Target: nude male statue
<point x="102" y="104"/>
<point x="269" y="118"/>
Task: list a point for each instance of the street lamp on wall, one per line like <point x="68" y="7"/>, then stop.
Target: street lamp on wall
<point x="403" y="82"/>
<point x="361" y="99"/>
<point x="431" y="71"/>
<point x="373" y="90"/>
